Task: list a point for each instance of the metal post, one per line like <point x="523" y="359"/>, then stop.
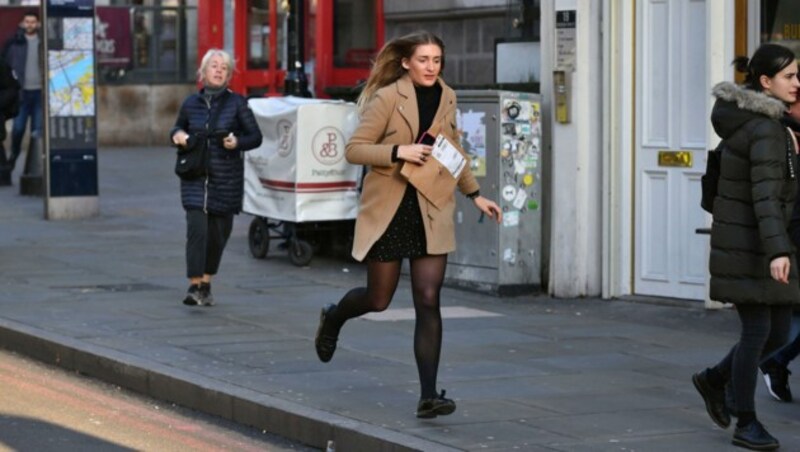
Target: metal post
<point x="30" y="183"/>
<point x="296" y="83"/>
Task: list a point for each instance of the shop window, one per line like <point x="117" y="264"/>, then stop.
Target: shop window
<point x="780" y="23"/>
<point x="354" y="33"/>
<point x="151" y="43"/>
<point x="258" y="34"/>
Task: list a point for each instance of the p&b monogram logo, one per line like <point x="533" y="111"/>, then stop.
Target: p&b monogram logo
<point x="328" y="146"/>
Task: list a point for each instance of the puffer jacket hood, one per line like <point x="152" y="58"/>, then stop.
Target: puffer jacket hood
<point x="737" y="105"/>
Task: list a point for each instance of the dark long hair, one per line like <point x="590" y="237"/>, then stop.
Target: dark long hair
<point x="768" y="60"/>
<point x="388" y="67"/>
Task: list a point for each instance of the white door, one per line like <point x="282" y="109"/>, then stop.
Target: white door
<point x="670" y="258"/>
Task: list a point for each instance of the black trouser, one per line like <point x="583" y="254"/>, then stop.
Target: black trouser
<point x="764" y="330"/>
<point x="206" y="236"/>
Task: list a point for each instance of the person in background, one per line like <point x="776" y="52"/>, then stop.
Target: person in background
<point x="752" y="261"/>
<point x="9" y="92"/>
<point x="404" y="98"/>
<point x="211" y="201"/>
<point x="776" y="368"/>
<point x="24" y="53"/>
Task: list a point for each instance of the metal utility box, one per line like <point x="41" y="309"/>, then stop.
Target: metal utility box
<point x="502" y="133"/>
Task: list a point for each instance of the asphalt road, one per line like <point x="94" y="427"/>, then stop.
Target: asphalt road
<point x="44" y="408"/>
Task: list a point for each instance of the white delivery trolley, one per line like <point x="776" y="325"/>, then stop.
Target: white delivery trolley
<point x="298" y="179"/>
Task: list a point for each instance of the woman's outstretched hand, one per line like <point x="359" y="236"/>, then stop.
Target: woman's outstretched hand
<point x="489" y="208"/>
<point x="414" y="153"/>
<point x="779" y="269"/>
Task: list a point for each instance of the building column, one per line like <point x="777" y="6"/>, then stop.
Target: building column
<point x="576" y="192"/>
<point x="619" y="75"/>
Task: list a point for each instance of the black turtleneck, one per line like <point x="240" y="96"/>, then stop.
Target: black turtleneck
<point x="428" y="98"/>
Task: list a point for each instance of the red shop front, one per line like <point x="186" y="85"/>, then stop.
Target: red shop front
<point x="341" y="39"/>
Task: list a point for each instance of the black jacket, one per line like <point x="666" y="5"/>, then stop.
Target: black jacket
<point x="756" y="194"/>
<point x="9" y="90"/>
<point x="15" y="52"/>
<point x="222" y="190"/>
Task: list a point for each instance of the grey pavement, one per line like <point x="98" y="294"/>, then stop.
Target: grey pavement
<point x="102" y="297"/>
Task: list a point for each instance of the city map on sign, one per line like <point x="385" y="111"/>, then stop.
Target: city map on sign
<point x="78" y="34"/>
<point x="71" y="90"/>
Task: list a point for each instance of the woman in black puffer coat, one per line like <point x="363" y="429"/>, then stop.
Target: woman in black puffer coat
<point x="753" y="261"/>
<point x="212" y="201"/>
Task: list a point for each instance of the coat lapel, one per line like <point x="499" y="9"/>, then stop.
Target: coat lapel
<point x="407" y="106"/>
<point x="445" y="105"/>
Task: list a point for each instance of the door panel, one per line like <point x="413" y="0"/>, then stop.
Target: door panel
<point x="655" y="189"/>
<point x="671" y="106"/>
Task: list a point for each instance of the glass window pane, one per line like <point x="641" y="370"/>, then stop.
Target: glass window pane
<point x="163" y="47"/>
<point x="258" y="34"/>
<point x="353" y="33"/>
<point x="167" y="45"/>
<point x="780" y="23"/>
<point x="142" y="26"/>
<point x="190" y="38"/>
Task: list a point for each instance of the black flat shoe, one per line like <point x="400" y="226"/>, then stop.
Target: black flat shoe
<point x="754" y="436"/>
<point x="714" y="399"/>
<point x="325" y="340"/>
<point x="437" y="406"/>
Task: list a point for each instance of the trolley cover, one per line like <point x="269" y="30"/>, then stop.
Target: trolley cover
<point x="299" y="172"/>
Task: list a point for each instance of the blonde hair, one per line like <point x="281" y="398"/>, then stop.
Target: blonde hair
<point x="226" y="58"/>
<point x="388" y="66"/>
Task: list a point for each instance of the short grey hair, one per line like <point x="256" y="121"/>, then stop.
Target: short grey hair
<point x="226" y="58"/>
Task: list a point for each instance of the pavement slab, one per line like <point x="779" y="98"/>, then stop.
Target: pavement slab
<point x="102" y="296"/>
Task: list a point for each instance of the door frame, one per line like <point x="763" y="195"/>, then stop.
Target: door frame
<point x="620" y="124"/>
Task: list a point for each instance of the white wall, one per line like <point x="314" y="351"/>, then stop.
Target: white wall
<point x="618" y="156"/>
<point x="576" y="190"/>
<point x="720" y="38"/>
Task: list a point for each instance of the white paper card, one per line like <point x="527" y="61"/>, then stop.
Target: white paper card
<point x="519" y="200"/>
<point x="448" y="155"/>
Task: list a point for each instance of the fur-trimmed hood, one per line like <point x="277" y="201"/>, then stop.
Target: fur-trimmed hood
<point x="737" y="105"/>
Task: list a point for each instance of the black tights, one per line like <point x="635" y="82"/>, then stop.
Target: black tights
<point x="427" y="276"/>
<point x="764" y="330"/>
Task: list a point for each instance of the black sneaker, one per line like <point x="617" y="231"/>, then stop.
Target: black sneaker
<point x="754" y="436"/>
<point x="205" y="294"/>
<point x="777" y="378"/>
<point x="714" y="399"/>
<point x="437" y="406"/>
<point x="193" y="296"/>
<point x="326" y="337"/>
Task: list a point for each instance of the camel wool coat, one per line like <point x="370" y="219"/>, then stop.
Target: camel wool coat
<point x="391" y="118"/>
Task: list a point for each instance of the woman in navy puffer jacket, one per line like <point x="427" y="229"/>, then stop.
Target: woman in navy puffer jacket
<point x="212" y="201"/>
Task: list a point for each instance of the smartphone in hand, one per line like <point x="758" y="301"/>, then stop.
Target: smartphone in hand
<point x="427" y="138"/>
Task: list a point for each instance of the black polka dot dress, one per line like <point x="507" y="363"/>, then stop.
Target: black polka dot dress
<point x="405" y="236"/>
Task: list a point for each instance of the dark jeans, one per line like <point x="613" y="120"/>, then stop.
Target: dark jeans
<point x="789" y="351"/>
<point x="764" y="330"/>
<point x="206" y="236"/>
<point x="30" y="107"/>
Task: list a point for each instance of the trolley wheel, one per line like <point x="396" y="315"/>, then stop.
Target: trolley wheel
<point x="300" y="252"/>
<point x="258" y="238"/>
